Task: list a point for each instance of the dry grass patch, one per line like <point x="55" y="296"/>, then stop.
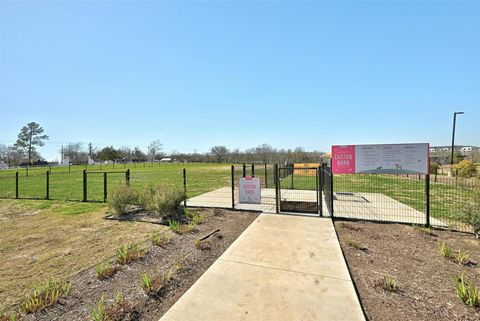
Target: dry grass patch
<point x="39" y="244"/>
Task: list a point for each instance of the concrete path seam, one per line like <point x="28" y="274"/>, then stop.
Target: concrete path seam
<point x="285" y="270"/>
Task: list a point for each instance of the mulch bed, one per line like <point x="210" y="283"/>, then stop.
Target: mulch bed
<point x="425" y="278"/>
<point x="181" y="251"/>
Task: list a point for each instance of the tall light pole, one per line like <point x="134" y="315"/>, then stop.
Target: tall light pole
<point x="453" y="136"/>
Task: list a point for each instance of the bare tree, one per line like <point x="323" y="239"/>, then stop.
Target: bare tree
<point x="154" y="149"/>
<point x="220" y="153"/>
<point x="75" y="153"/>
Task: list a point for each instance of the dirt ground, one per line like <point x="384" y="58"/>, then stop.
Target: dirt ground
<point x="181" y="252"/>
<point x="38" y="244"/>
<point x="425" y="278"/>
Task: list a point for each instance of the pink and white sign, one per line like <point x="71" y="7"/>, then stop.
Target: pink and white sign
<point x="343" y="159"/>
<point x="249" y="188"/>
<point x="381" y="159"/>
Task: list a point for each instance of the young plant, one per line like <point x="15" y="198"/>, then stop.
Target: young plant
<point x="445" y="250"/>
<point x="180" y="228"/>
<point x="45" y="295"/>
<point x="197" y="218"/>
<point x="153" y="285"/>
<point x="356" y="244"/>
<point x="468" y="293"/>
<point x="203" y="245"/>
<point x="462" y="257"/>
<point x="117" y="311"/>
<point x="160" y="239"/>
<point x="99" y="313"/>
<point x="105" y="270"/>
<point x="132" y="252"/>
<point x="389" y="284"/>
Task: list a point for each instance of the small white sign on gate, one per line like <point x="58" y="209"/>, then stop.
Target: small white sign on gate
<point x="249" y="188"/>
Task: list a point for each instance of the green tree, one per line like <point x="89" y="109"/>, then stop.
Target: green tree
<point x="466" y="168"/>
<point x="29" y="138"/>
<point x="109" y="153"/>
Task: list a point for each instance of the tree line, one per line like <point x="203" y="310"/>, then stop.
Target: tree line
<point x="31" y="136"/>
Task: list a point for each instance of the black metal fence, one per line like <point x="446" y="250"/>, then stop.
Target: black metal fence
<point x="83" y="186"/>
<point x="415" y="199"/>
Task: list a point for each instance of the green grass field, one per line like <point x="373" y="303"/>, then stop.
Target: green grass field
<point x="65" y="185"/>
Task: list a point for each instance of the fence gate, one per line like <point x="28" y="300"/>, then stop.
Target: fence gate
<point x="298" y="189"/>
<point x="326" y="182"/>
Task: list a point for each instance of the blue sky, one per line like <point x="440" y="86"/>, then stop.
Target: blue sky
<point x="199" y="74"/>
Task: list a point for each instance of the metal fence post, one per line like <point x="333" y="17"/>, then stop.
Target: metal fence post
<point x="293" y="171"/>
<point x="427" y="199"/>
<point x="27" y="170"/>
<point x="185" y="187"/>
<point x="253" y="170"/>
<point x="244" y="170"/>
<point x="275" y="175"/>
<point x="265" y="172"/>
<point x="105" y="187"/>
<point x="47" y="194"/>
<point x="233" y="187"/>
<point x="16" y="185"/>
<point x="127" y="177"/>
<point x="84" y="185"/>
<point x="69" y="167"/>
<point x="320" y="189"/>
<point x="331" y="188"/>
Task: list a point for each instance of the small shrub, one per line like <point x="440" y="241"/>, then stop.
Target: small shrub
<point x="105" y="270"/>
<point x="160" y="239"/>
<point x="434" y="167"/>
<point x="123" y="199"/>
<point x="120" y="308"/>
<point x="462" y="257"/>
<point x="445" y="250"/>
<point x="197" y="218"/>
<point x="470" y="212"/>
<point x="45" y="295"/>
<point x="180" y="228"/>
<point x="163" y="199"/>
<point x="117" y="311"/>
<point x="468" y="293"/>
<point x="99" y="313"/>
<point x="356" y="244"/>
<point x="466" y="168"/>
<point x="132" y="252"/>
<point x="153" y="285"/>
<point x="389" y="284"/>
<point x="203" y="245"/>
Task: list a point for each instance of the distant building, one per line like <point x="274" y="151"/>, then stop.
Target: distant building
<point x="166" y="160"/>
<point x="464" y="150"/>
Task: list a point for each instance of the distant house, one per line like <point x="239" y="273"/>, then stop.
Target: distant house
<point x="166" y="160"/>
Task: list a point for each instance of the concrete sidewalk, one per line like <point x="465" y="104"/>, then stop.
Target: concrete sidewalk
<point x="281" y="268"/>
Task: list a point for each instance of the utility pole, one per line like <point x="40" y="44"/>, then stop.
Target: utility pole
<point x="90" y="150"/>
<point x="453" y="139"/>
<point x="61" y="156"/>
